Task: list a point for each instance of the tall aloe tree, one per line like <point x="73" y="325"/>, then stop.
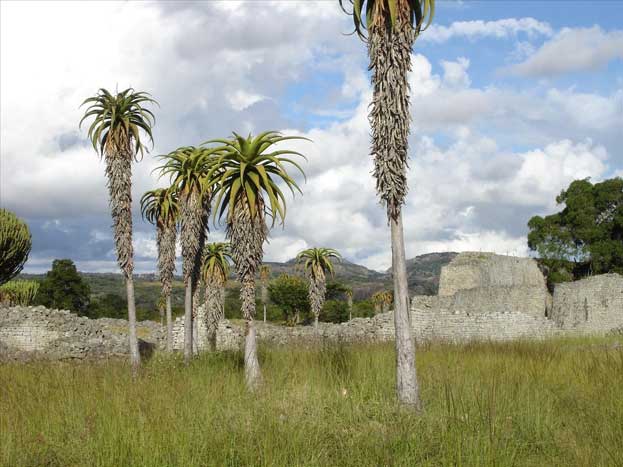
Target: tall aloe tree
<point x="245" y="178"/>
<point x="161" y="208"/>
<point x="317" y="263"/>
<point x="215" y="272"/>
<point x="187" y="168"/>
<point x="392" y="28"/>
<point x="118" y="121"/>
<point x="264" y="276"/>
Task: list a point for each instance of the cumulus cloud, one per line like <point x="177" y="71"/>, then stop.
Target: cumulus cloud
<point x="477" y="29"/>
<point x="573" y="49"/>
<point x="485" y="158"/>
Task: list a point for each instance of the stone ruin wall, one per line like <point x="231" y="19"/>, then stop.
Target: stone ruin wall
<point x="485" y="283"/>
<point x="591" y="305"/>
<point x="36" y="332"/>
<point x="475" y="303"/>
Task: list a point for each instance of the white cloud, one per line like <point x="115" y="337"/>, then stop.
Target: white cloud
<point x="486" y="158"/>
<point x="573" y="49"/>
<point x="240" y="100"/>
<point x="499" y="29"/>
<point x="455" y="73"/>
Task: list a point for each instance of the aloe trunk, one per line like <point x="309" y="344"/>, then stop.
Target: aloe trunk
<point x="406" y="384"/>
<point x="119" y="171"/>
<point x="390" y="62"/>
<point x="192" y="225"/>
<point x="169" y="315"/>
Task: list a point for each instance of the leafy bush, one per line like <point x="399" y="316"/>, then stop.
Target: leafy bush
<point x="290" y="294"/>
<point x="334" y="311"/>
<point x="64" y="288"/>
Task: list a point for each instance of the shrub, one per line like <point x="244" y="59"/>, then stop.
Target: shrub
<point x="15" y="245"/>
<point x="18" y="293"/>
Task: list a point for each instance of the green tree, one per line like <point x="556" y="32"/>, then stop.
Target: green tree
<point x="109" y="305"/>
<point x="215" y="272"/>
<point x="15" y="245"/>
<point x="290" y="294"/>
<point x="317" y="263"/>
<point x="393" y="26"/>
<point x="161" y="207"/>
<point x="64" y="289"/>
<point x="116" y="135"/>
<point x="188" y="167"/>
<point x="586" y="236"/>
<point x="245" y="177"/>
<point x="335" y="311"/>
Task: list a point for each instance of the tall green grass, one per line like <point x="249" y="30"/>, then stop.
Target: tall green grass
<point x="523" y="404"/>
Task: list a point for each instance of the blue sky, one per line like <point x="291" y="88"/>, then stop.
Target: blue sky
<point x="511" y="101"/>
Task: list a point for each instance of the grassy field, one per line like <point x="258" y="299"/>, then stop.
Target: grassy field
<point x="524" y="403"/>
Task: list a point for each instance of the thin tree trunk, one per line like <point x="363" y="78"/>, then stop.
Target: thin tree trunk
<point x="350" y="307"/>
<point x="135" y="356"/>
<point x="119" y="173"/>
<point x="214" y="312"/>
<point x="169" y="325"/>
<point x="252" y="373"/>
<point x="193" y="230"/>
<point x="166" y="235"/>
<point x="406" y="377"/>
<point x="196" y="315"/>
<point x="264" y="312"/>
<point x="317" y="291"/>
<point x="188" y="324"/>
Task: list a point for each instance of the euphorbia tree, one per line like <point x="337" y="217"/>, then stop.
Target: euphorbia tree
<point x="187" y="167"/>
<point x="317" y="263"/>
<point x="161" y="207"/>
<point x="116" y="135"/>
<point x="245" y="180"/>
<point x="215" y="272"/>
<point x="392" y="27"/>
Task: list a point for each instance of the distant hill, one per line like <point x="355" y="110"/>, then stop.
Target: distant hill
<point x="423" y="275"/>
<point x="423" y="272"/>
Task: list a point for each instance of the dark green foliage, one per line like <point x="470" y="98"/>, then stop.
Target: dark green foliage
<point x="586" y="236"/>
<point x="63" y="288"/>
<point x="334" y="311"/>
<point x="336" y="291"/>
<point x="15" y="245"/>
<point x="290" y="294"/>
<point x="109" y="306"/>
<point x="363" y="309"/>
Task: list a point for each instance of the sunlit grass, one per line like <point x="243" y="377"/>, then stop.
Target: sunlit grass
<point x="524" y="403"/>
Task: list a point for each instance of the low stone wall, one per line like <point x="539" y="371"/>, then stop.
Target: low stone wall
<point x="36" y="332"/>
<point x="461" y="326"/>
<point x="531" y="301"/>
<point x="230" y="335"/>
<point x="591" y="305"/>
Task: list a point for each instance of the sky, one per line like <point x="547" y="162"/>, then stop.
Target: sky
<point x="511" y="101"/>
